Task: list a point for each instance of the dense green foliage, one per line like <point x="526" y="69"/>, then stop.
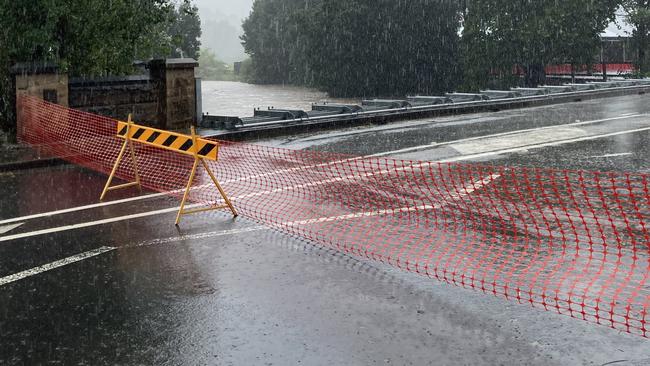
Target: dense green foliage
<point x="212" y="68"/>
<point x="275" y="37"/>
<point x="500" y="36"/>
<point x="386" y="47"/>
<point x="89" y="37"/>
<point x="355" y="47"/>
<point x="393" y="47"/>
<point x="185" y="31"/>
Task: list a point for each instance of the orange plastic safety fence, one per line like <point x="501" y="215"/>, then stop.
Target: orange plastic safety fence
<point x="574" y="242"/>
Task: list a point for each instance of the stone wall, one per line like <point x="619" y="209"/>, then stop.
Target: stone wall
<point x="118" y="97"/>
<point x="178" y="90"/>
<point x="41" y="81"/>
<point x="164" y="98"/>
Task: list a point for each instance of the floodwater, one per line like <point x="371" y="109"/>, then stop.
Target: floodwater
<point x="227" y="98"/>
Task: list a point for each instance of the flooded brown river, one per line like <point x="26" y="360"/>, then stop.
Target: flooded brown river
<point x="226" y="98"/>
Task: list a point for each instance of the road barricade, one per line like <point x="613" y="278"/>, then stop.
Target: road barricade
<point x="192" y="145"/>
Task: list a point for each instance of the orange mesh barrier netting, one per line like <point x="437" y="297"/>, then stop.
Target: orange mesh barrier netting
<point x="575" y="242"/>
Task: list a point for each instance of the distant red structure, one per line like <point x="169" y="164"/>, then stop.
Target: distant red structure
<point x="612" y="69"/>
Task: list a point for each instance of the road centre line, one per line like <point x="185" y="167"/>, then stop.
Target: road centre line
<point x="447" y="143"/>
<point x="91" y="223"/>
<point x="297" y="169"/>
<point x="94" y="253"/>
<point x="164" y="211"/>
<point x="537" y="146"/>
<point x="141" y="215"/>
<point x="8" y="228"/>
<point x="466" y="190"/>
<point x="612" y="155"/>
<point x="80" y="208"/>
<point x="163" y="194"/>
<point x="54" y="265"/>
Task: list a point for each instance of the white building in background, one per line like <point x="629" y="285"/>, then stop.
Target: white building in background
<point x="620" y="28"/>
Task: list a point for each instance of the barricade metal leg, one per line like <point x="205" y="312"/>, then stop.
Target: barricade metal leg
<point x="127" y="143"/>
<point x="135" y="164"/>
<point x="221" y="191"/>
<point x="198" y="159"/>
<point x="181" y="211"/>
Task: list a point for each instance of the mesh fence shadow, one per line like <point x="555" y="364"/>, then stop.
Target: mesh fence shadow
<point x="574" y="242"/>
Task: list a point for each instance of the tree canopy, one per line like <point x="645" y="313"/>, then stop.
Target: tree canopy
<point x="275" y="38"/>
<point x="89" y="37"/>
<point x="500" y="35"/>
<point x="355" y="47"/>
<point x="212" y="68"/>
<point x="388" y="47"/>
<point x="185" y="31"/>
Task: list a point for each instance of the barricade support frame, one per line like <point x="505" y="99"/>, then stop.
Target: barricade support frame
<point x="127" y="143"/>
<point x="198" y="159"/>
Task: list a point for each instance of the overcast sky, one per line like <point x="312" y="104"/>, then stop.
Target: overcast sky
<point x="237" y="8"/>
<point x="222" y="26"/>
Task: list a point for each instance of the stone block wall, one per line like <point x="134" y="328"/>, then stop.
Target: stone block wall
<point x="178" y="91"/>
<point x="166" y="98"/>
<point x="118" y="97"/>
<point x="41" y="81"/>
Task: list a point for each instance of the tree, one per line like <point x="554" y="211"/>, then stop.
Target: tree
<point x="275" y="39"/>
<point x="386" y="48"/>
<point x="84" y="37"/>
<point x="638" y="15"/>
<point x="211" y="68"/>
<point x="185" y="31"/>
<point x="502" y="36"/>
<point x="355" y="47"/>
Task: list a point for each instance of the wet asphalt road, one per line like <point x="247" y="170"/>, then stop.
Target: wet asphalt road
<point x="222" y="291"/>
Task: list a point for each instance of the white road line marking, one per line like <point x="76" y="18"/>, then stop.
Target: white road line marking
<point x="522" y="139"/>
<point x="537" y="146"/>
<point x="90" y="224"/>
<point x="81" y="208"/>
<point x="438" y="144"/>
<point x="467" y="190"/>
<point x="8" y="228"/>
<point x="162" y="194"/>
<point x="212" y="234"/>
<point x="54" y="265"/>
<point x="612" y="155"/>
<point x="359" y="215"/>
<point x="93" y="253"/>
<point x="464" y="192"/>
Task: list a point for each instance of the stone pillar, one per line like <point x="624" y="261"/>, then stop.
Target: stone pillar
<point x="177" y="92"/>
<point x="41" y="80"/>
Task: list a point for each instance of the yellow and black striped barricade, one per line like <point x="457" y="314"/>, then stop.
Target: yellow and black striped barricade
<point x="200" y="149"/>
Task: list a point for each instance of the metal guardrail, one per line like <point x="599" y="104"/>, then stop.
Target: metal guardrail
<point x="377" y="108"/>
